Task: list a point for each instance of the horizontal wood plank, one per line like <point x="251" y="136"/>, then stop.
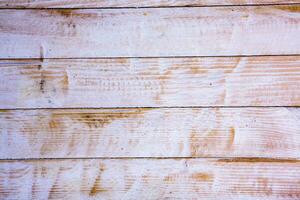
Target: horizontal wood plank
<point x="150" y="82"/>
<point x="241" y="179"/>
<point x="208" y="31"/>
<point x="190" y="132"/>
<point x="131" y="3"/>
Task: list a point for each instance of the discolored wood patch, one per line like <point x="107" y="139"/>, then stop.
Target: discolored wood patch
<point x="145" y="132"/>
<point x="74" y="33"/>
<point x="160" y="178"/>
<point x="154" y="82"/>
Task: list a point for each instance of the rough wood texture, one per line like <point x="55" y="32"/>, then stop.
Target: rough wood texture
<point x="226" y="132"/>
<point x="136" y="147"/>
<point x="253" y="30"/>
<point x="130" y="3"/>
<point x="153" y="82"/>
<point x="250" y="179"/>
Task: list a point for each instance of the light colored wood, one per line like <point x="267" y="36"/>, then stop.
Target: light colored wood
<point x="189" y="132"/>
<point x="212" y="31"/>
<point x="151" y="82"/>
<point x="241" y="179"/>
<point x="130" y="3"/>
<point x="247" y="153"/>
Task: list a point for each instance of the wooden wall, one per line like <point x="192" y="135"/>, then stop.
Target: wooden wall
<point x="150" y="99"/>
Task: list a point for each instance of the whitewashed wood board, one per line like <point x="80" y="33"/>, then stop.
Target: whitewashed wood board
<point x="131" y="3"/>
<point x="218" y="84"/>
<point x="151" y="82"/>
<point x="201" y="31"/>
<point x="170" y="132"/>
<point x="239" y="179"/>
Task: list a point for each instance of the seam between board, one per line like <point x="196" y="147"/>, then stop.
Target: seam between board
<point x="149" y="57"/>
<point x="143" y="107"/>
<point x="146" y="7"/>
<point x="224" y="159"/>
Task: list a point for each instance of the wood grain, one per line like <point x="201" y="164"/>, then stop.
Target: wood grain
<point x="131" y="3"/>
<point x="240" y="179"/>
<point x="213" y="31"/>
<point x="190" y="132"/>
<point x="151" y="82"/>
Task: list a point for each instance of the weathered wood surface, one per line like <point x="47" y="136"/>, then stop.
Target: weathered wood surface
<point x="151" y="82"/>
<point x="242" y="179"/>
<point x="189" y="132"/>
<point x="136" y="147"/>
<point x="212" y="31"/>
<point x="131" y="3"/>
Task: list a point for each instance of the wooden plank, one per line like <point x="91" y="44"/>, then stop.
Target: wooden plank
<point x="202" y="31"/>
<point x="254" y="179"/>
<point x="131" y="3"/>
<point x="172" y="132"/>
<point x="151" y="82"/>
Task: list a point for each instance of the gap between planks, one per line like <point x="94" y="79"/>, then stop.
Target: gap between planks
<point x="222" y="159"/>
<point x="178" y="5"/>
<point x="147" y="57"/>
<point x="142" y="108"/>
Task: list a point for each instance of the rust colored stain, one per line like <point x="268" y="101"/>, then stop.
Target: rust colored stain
<point x="100" y="119"/>
<point x="194" y="70"/>
<point x="202" y="176"/>
<point x="64" y="12"/>
<point x="36" y="72"/>
<point x="289" y="8"/>
<point x="129" y="180"/>
<point x="54" y="124"/>
<point x="97" y="188"/>
<point x="53" y="141"/>
<point x="65" y="82"/>
<point x="69" y="13"/>
<point x="199" y="144"/>
<point x="255" y="160"/>
<point x="55" y="185"/>
<point x="197" y="70"/>
<point x="171" y="178"/>
<point x="163" y="78"/>
<point x="231" y="137"/>
<point x="199" y="176"/>
<point x="123" y="61"/>
<point x="58" y="121"/>
<point x="193" y="144"/>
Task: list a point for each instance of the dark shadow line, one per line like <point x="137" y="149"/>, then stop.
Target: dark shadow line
<point x="151" y="57"/>
<point x="144" y="107"/>
<point x="148" y="7"/>
<point x="222" y="159"/>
